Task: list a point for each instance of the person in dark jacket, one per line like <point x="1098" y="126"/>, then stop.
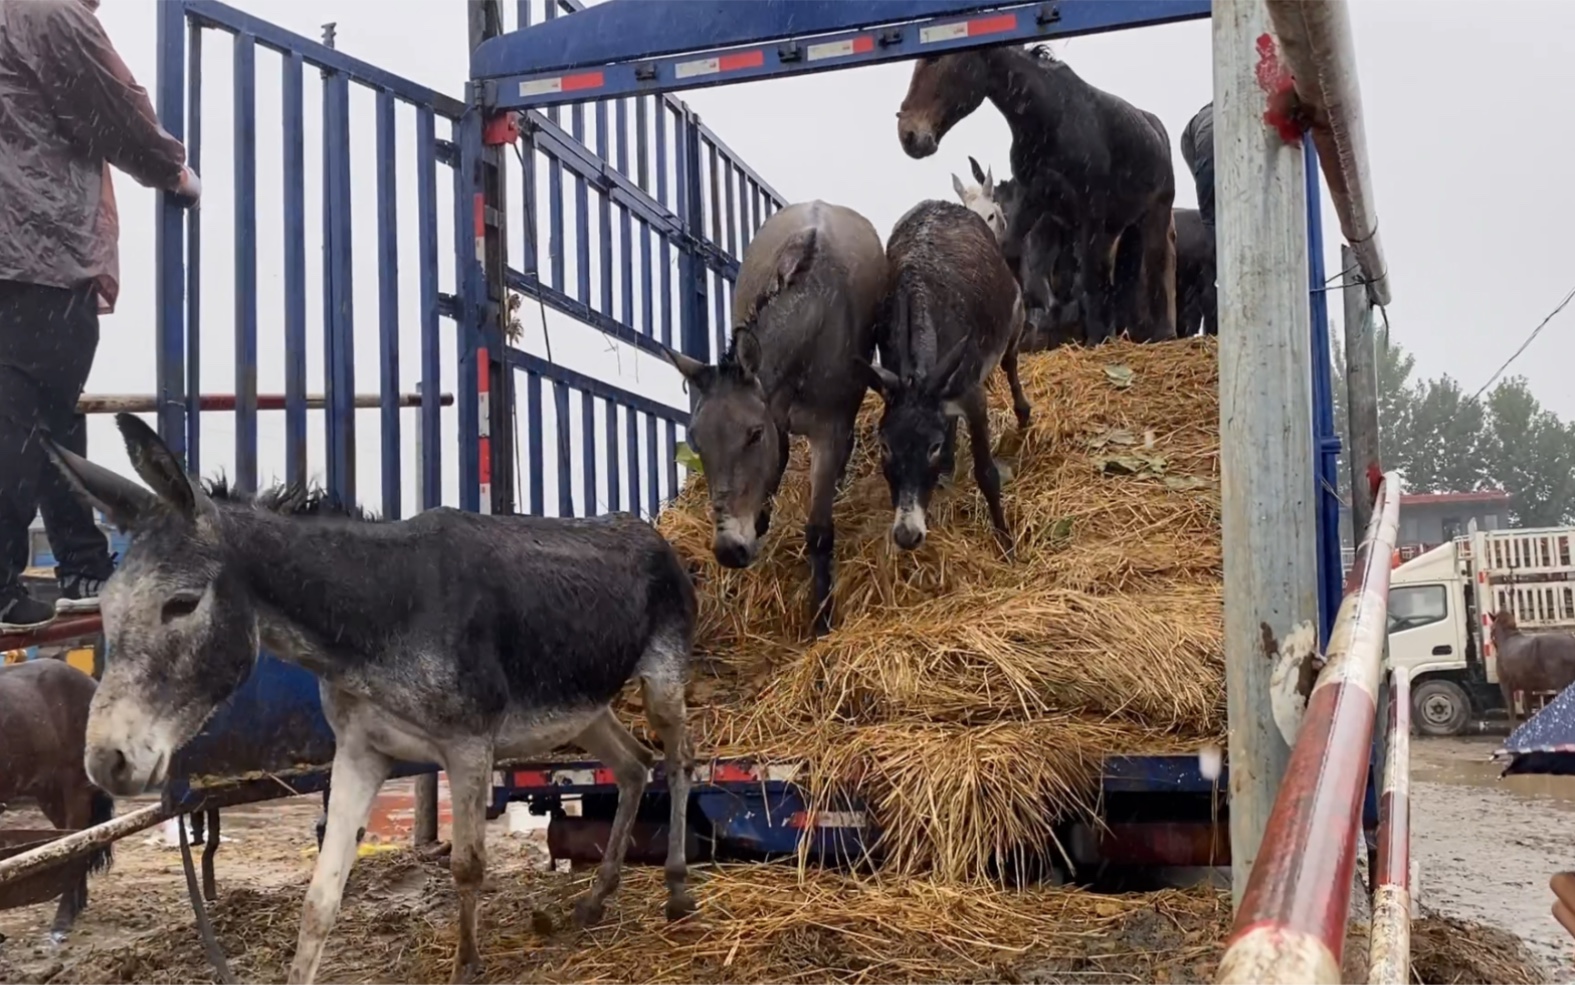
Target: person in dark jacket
<point x="1197" y="149"/>
<point x="69" y="108"/>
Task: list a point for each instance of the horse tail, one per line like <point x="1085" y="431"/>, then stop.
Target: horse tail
<point x="102" y="810"/>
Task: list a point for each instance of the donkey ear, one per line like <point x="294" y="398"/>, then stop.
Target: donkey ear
<point x="698" y="374"/>
<point x="746" y="352"/>
<point x="946" y="380"/>
<point x="978" y="172"/>
<point x="160" y="469"/>
<point x="117" y="497"/>
<point x="989" y="183"/>
<point x="960" y="189"/>
<point x="878" y="378"/>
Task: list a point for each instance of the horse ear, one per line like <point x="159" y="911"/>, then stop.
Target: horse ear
<point x="698" y="374"/>
<point x="125" y="503"/>
<point x="945" y="380"/>
<point x="878" y="378"/>
<point x="978" y="172"/>
<point x="160" y="469"/>
<point x="960" y="189"/>
<point x="746" y="352"/>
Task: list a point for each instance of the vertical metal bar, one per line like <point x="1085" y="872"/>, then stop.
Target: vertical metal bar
<point x="1331" y="575"/>
<point x="1389" y="953"/>
<point x="560" y="408"/>
<point x="169" y="235"/>
<point x="642" y="142"/>
<point x="245" y="116"/>
<point x="295" y="270"/>
<point x="194" y="254"/>
<point x="431" y="339"/>
<point x="666" y="280"/>
<point x="716" y="192"/>
<point x="1361" y="382"/>
<point x="582" y="216"/>
<point x="672" y="459"/>
<point x="588" y="456"/>
<point x="631" y="435"/>
<point x="692" y="312"/>
<point x="653" y="480"/>
<point x="721" y="332"/>
<point x="625" y="227"/>
<point x="388" y="302"/>
<point x="731" y="173"/>
<point x="1266" y="453"/>
<point x="468" y="279"/>
<point x="751" y="206"/>
<point x="340" y="330"/>
<point x="555" y="218"/>
<point x="614" y="480"/>
<point x="522" y="14"/>
<point x="533" y="408"/>
<point x="604" y="216"/>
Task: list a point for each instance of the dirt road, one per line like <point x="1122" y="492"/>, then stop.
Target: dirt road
<point x="1486" y="846"/>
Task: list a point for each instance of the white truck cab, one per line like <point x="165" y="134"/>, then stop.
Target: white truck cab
<point x="1442" y="602"/>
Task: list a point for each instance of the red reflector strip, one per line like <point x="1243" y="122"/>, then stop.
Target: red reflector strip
<point x="723" y="63"/>
<point x="977" y="27"/>
<point x="861" y="45"/>
<point x="562" y="83"/>
<point x="827" y="819"/>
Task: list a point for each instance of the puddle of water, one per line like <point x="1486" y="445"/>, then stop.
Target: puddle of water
<point x="1466" y="762"/>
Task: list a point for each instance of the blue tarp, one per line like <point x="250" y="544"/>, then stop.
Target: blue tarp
<point x="1546" y="742"/>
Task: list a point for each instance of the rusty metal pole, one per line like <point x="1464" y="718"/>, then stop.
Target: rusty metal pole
<point x="1267" y="485"/>
<point x="424" y="825"/>
<point x="1361" y="389"/>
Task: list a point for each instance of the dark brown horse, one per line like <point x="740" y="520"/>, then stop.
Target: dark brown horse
<point x="1530" y="662"/>
<point x="43" y="732"/>
<point x="956" y="315"/>
<point x="1098" y="164"/>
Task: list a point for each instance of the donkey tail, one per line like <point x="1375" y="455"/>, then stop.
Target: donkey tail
<point x="103" y="809"/>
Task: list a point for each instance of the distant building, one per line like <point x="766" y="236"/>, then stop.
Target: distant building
<point x="1430" y="519"/>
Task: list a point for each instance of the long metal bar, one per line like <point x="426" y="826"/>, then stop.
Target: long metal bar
<point x="339" y="328"/>
<point x="595" y="387"/>
<point x="1389" y="949"/>
<point x="431" y="340"/>
<point x="1361" y="387"/>
<point x="194" y="253"/>
<point x="136" y="403"/>
<point x="1326" y="443"/>
<point x="169" y="235"/>
<point x="294" y="147"/>
<point x="1266" y="450"/>
<point x="1291" y="924"/>
<point x="59" y="631"/>
<point x="388" y="305"/>
<point x="245" y="116"/>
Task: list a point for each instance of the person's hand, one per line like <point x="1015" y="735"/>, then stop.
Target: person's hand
<point x="188" y="190"/>
<point x="1563" y="886"/>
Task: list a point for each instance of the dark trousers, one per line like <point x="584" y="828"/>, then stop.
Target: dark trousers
<point x="48" y="336"/>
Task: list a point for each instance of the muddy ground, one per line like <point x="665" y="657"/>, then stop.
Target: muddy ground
<point x="1485" y="848"/>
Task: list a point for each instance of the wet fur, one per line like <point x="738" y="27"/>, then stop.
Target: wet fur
<point x="43" y="725"/>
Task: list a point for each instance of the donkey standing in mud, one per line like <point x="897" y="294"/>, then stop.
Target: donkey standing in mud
<point x="43" y="721"/>
<point x="808" y="295"/>
<point x="451" y="638"/>
<point x="1530" y="662"/>
<point x="956" y="314"/>
<point x="1098" y="164"/>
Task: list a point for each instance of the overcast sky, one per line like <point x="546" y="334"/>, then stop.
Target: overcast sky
<point x="1468" y="154"/>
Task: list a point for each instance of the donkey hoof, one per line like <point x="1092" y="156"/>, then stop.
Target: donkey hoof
<point x="541" y="922"/>
<point x="57" y="937"/>
<point x="679" y="905"/>
<point x="588" y="912"/>
<point x="466" y="972"/>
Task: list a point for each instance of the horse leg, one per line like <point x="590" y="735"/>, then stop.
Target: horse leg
<point x="610" y="742"/>
<point x="469" y="769"/>
<point x="1158" y="230"/>
<point x="358" y="773"/>
<point x="985" y="472"/>
<point x="663" y="682"/>
<point x="828" y="459"/>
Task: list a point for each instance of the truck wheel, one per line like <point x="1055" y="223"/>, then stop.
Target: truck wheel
<point x="1440" y="708"/>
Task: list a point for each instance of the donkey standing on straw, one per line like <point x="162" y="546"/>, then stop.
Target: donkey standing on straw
<point x="451" y="637"/>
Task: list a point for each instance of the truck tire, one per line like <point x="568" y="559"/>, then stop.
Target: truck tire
<point x="1440" y="708"/>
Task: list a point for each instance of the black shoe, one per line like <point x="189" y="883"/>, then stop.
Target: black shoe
<point x="79" y="594"/>
<point x="21" y="613"/>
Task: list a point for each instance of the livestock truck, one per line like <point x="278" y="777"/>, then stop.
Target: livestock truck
<point x="1441" y="604"/>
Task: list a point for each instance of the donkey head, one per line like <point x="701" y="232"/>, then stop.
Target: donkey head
<point x="180" y="625"/>
<point x="913" y="430"/>
<point x="944" y="90"/>
<point x="741" y="449"/>
<point x="981" y="199"/>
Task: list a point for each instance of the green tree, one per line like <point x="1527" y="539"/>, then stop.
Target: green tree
<point x="1531" y="453"/>
<point x="1446" y="440"/>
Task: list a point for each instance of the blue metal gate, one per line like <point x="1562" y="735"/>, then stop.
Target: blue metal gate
<point x="612" y="201"/>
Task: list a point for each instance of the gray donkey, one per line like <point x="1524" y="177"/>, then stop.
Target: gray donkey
<point x="804" y="310"/>
<point x="957" y="313"/>
<point x="451" y="638"/>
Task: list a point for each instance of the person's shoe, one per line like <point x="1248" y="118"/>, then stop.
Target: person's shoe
<point x="21" y="613"/>
<point x="79" y="594"/>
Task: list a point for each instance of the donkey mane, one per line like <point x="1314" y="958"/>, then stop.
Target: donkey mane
<point x="296" y="499"/>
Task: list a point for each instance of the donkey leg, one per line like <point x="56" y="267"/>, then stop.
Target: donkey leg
<point x="985" y="472"/>
<point x="665" y="707"/>
<point x="358" y="772"/>
<point x="1020" y="405"/>
<point x="68" y="812"/>
<point x="608" y="741"/>
<point x="469" y="769"/>
<point x="1159" y="273"/>
<point x="828" y="460"/>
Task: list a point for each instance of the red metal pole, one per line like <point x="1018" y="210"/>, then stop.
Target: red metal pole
<point x="1292" y="920"/>
<point x="59" y="631"/>
<point x="1389" y="952"/>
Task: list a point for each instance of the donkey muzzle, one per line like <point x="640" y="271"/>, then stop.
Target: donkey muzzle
<point x="735" y="542"/>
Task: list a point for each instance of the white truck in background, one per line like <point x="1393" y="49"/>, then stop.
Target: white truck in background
<point x="1440" y="607"/>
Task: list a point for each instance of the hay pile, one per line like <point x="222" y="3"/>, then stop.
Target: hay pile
<point x="973" y="699"/>
<point x="756" y="923"/>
